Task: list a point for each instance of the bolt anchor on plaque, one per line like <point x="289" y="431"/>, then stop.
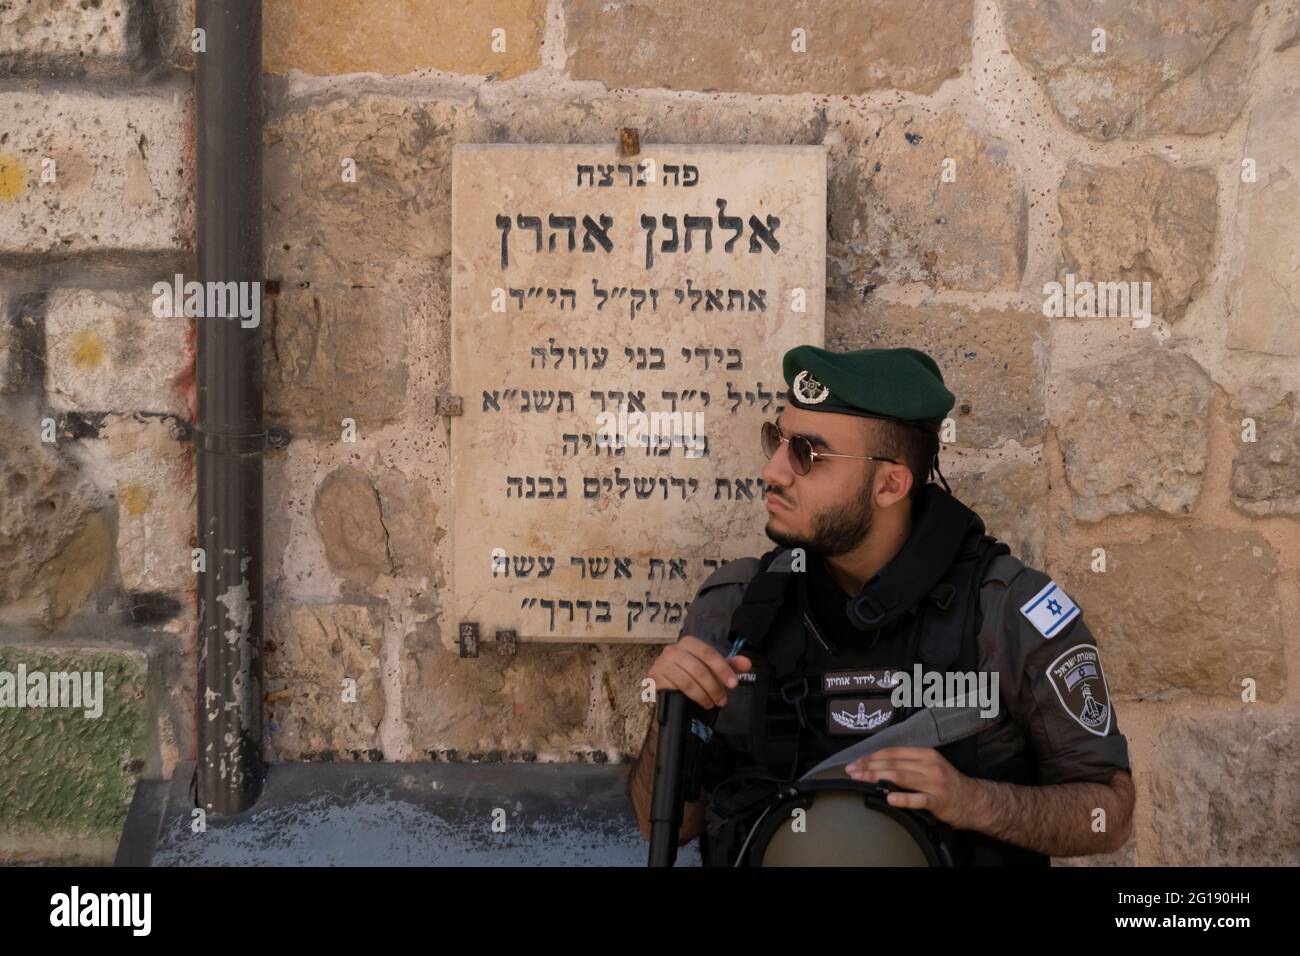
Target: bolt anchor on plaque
<point x="449" y="406"/>
<point x="469" y="639"/>
<point x="507" y="643"/>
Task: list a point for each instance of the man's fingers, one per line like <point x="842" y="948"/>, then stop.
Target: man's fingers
<point x="685" y="682"/>
<point x="719" y="666"/>
<point x="873" y="762"/>
<point x="695" y="645"/>
<point x="722" y="667"/>
<point x="911" y="801"/>
<point x="877" y="765"/>
<point x="704" y="676"/>
<point x="902" y="776"/>
<point x="711" y="672"/>
<point x="906" y="753"/>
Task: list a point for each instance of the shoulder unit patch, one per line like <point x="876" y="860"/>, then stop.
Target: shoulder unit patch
<point x="1081" y="686"/>
<point x="1050" y="610"/>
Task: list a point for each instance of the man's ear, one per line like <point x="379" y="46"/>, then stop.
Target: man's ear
<point x="893" y="483"/>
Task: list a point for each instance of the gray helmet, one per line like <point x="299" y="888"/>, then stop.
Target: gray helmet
<point x="844" y="823"/>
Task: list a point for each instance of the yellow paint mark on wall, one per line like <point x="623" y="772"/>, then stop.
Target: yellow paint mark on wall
<point x="135" y="498"/>
<point x="13" y="177"/>
<point x="87" y="349"/>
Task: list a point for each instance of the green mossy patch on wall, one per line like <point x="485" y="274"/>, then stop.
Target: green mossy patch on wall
<point x="65" y="773"/>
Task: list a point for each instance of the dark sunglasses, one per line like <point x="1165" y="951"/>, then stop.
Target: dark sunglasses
<point x="802" y="455"/>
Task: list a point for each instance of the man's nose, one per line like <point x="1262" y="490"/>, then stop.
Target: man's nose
<point x="777" y="472"/>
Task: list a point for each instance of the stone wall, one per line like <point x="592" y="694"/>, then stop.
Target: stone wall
<point x="978" y="150"/>
<point x="96" y="470"/>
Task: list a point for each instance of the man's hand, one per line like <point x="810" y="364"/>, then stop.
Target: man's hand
<point x="1061" y="819"/>
<point x="939" y="786"/>
<point x="697" y="670"/>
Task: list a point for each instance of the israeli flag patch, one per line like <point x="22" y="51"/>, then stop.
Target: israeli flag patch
<point x="1050" y="610"/>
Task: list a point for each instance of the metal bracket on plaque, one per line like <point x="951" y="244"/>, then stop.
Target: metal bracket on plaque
<point x="449" y="405"/>
<point x="469" y="639"/>
<point x="507" y="643"/>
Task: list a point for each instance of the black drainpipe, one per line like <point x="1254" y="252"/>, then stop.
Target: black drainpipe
<point x="229" y="434"/>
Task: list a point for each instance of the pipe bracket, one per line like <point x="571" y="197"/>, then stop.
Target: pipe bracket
<point x="250" y="444"/>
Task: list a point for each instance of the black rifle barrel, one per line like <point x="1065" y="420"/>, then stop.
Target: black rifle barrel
<point x="666" y="804"/>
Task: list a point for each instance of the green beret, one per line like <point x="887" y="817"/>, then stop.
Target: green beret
<point x="901" y="385"/>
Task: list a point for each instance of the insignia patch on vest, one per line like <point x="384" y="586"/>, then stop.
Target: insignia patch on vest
<point x="857" y="715"/>
<point x="1050" y="610"/>
<point x="1081" y="686"/>
<point x="863" y="681"/>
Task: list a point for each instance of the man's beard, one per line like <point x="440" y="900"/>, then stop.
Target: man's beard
<point x="836" y="530"/>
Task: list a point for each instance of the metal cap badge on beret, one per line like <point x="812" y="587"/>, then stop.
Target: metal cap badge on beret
<point x="902" y="385"/>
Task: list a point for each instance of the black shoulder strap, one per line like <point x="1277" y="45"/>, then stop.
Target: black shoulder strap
<point x="763" y="598"/>
<point x="952" y="607"/>
<point x="959" y="632"/>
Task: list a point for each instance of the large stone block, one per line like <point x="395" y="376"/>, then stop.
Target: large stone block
<point x="106" y="351"/>
<point x="411" y="519"/>
<point x="175" y="31"/>
<point x="1192" y="610"/>
<point x="1166" y="67"/>
<point x="503" y="118"/>
<point x="67" y="774"/>
<point x="153" y="474"/>
<point x="334" y="353"/>
<point x="73" y="575"/>
<point x="373" y="525"/>
<point x="55" y="548"/>
<point x="618" y="702"/>
<point x="919" y="197"/>
<point x="849" y="46"/>
<point x="1134" y="433"/>
<point x="323" y="228"/>
<point x="67" y="35"/>
<point x="1143" y="222"/>
<point x="1010" y="495"/>
<point x="536" y="701"/>
<point x="1226" y="790"/>
<point x="496" y="38"/>
<point x="350" y="522"/>
<point x="1266" y="472"/>
<point x="1264" y="288"/>
<point x="993" y="361"/>
<point x="119" y="168"/>
<point x="324" y="690"/>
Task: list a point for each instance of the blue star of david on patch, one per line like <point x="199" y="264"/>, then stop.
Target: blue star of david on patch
<point x="1050" y="610"/>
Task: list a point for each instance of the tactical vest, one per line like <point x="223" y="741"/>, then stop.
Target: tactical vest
<point x="807" y="698"/>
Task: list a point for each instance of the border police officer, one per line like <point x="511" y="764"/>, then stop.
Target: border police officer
<point x="882" y="581"/>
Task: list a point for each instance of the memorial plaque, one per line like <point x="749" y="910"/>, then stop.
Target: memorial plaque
<point x="617" y="331"/>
